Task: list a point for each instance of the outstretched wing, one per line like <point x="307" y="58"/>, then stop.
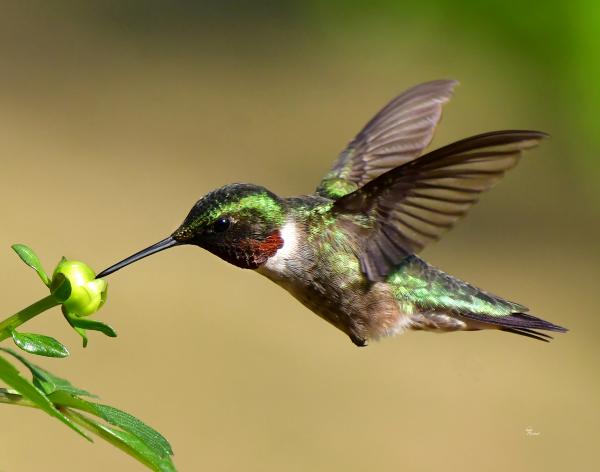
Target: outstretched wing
<point x="412" y="205"/>
<point x="397" y="134"/>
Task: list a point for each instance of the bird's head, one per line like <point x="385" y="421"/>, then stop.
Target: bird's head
<point x="240" y="223"/>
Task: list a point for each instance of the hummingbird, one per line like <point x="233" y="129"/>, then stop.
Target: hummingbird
<point x="349" y="251"/>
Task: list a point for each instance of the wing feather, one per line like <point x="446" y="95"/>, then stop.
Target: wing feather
<point x="414" y="204"/>
<point x="396" y="135"/>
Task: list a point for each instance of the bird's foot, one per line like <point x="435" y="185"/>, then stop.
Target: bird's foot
<point x="360" y="342"/>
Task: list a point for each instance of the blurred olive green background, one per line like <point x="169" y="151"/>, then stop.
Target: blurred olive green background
<point x="116" y="116"/>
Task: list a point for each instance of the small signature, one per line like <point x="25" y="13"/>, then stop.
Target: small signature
<point x="531" y="432"/>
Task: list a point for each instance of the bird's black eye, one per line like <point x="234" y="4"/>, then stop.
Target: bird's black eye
<point x="221" y="225"/>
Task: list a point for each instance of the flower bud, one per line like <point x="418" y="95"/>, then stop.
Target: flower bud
<point x="88" y="294"/>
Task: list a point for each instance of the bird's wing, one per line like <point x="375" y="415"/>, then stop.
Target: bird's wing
<point x="401" y="211"/>
<point x="396" y="135"/>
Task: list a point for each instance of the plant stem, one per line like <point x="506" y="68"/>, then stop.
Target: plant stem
<point x="26" y="314"/>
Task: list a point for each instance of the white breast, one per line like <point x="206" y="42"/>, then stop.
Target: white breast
<point x="277" y="265"/>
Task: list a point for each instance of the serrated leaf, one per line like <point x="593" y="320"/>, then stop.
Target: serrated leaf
<point x="47" y="381"/>
<point x="39" y="344"/>
<point x="12" y="377"/>
<point x="32" y="260"/>
<point x="127" y="442"/>
<point x="61" y="288"/>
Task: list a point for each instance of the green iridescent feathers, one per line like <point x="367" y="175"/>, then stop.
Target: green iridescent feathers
<point x="421" y="288"/>
<point x="396" y="135"/>
<point x="414" y="204"/>
<point x="240" y="202"/>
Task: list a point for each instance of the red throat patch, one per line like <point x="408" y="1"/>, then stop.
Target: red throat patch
<point x="271" y="244"/>
<point x="252" y="253"/>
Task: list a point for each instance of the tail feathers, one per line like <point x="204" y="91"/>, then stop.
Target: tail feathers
<point x="522" y="324"/>
<point x="530" y="333"/>
<point x="523" y="320"/>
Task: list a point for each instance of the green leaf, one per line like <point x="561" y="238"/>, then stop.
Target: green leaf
<point x="58" y="384"/>
<point x="93" y="325"/>
<point x="131" y="424"/>
<point x="81" y="333"/>
<point x="46" y="381"/>
<point x="32" y="260"/>
<point x="125" y="441"/>
<point x="149" y="436"/>
<point x="12" y="377"/>
<point x="39" y="344"/>
<point x="71" y="318"/>
<point x="81" y="324"/>
<point x="61" y="288"/>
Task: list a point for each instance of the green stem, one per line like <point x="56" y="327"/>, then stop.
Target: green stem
<point x="26" y="314"/>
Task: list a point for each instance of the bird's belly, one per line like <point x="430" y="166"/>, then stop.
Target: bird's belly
<point x="313" y="296"/>
<point x="361" y="310"/>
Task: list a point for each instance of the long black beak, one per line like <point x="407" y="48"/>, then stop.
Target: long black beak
<point x="159" y="246"/>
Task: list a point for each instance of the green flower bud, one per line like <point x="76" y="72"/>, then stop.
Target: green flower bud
<point x="88" y="294"/>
